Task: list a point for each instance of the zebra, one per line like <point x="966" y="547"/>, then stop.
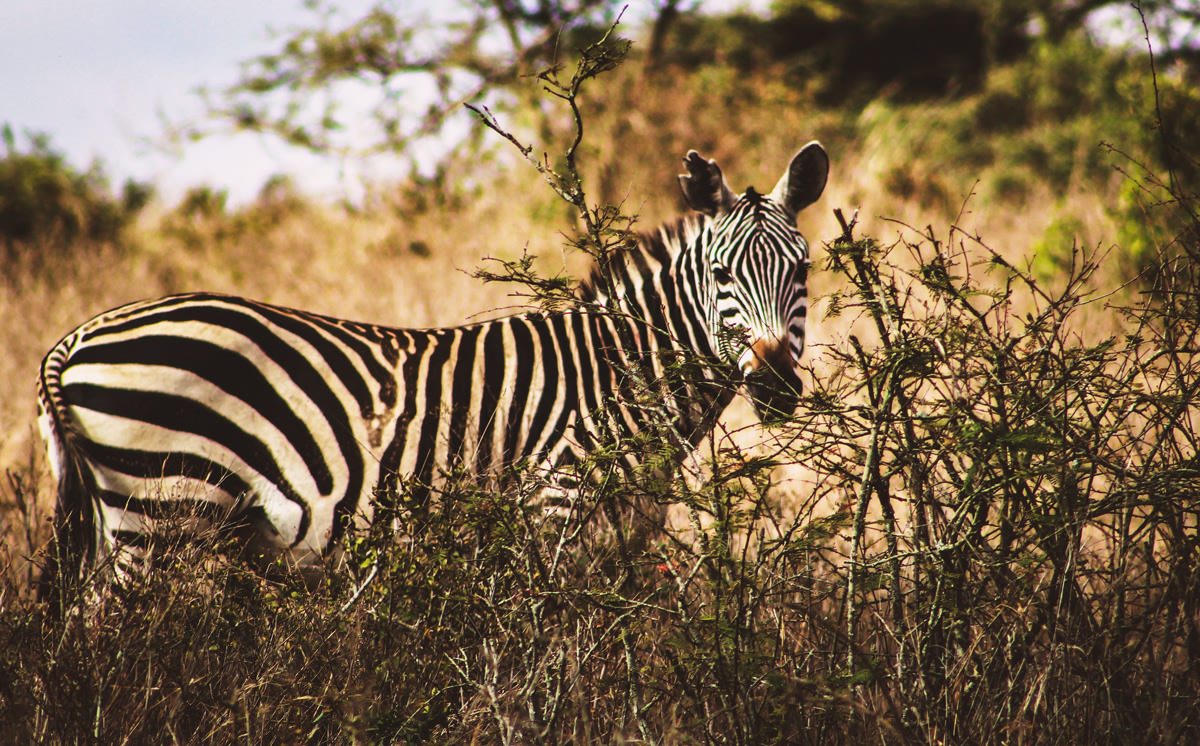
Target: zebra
<point x="297" y="424"/>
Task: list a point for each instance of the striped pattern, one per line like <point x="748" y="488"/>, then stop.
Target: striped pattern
<point x="296" y="424"/>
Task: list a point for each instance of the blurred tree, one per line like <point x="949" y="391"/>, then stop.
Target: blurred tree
<point x="1054" y="18"/>
<point x="906" y="49"/>
<point x="414" y="70"/>
<point x="667" y="12"/>
<point x="394" y="80"/>
<point x="45" y="203"/>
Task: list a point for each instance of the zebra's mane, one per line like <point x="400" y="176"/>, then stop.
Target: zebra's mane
<point x="649" y="253"/>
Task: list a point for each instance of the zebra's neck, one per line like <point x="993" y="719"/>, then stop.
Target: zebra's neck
<point x="657" y="293"/>
<point x="661" y="271"/>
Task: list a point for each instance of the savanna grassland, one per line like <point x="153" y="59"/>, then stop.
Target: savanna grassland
<point x="979" y="527"/>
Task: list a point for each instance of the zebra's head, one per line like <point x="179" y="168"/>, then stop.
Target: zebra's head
<point x="753" y="271"/>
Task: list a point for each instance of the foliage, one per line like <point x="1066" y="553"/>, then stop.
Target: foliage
<point x="1014" y="464"/>
<point x="1041" y="117"/>
<point x="392" y="82"/>
<point x="1156" y="216"/>
<point x="417" y="69"/>
<point x="603" y="234"/>
<point x="1044" y="128"/>
<point x="202" y="217"/>
<point x="46" y="205"/>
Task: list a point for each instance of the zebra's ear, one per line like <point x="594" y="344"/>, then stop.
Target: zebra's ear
<point x="804" y="179"/>
<point x="703" y="186"/>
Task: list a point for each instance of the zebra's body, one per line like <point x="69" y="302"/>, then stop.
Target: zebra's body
<point x="295" y="422"/>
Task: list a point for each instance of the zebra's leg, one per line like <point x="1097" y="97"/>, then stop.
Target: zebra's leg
<point x="143" y="524"/>
<point x="562" y="501"/>
<point x="124" y="547"/>
<point x="252" y="533"/>
<point x="559" y="499"/>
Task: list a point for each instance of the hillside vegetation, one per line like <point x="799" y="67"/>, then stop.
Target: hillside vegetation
<point x="979" y="527"/>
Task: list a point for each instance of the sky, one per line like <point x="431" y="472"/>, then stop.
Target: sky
<point x="99" y="76"/>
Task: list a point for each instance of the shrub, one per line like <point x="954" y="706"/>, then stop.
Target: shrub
<point x="1011" y="496"/>
<point x="47" y="206"/>
<point x="203" y="217"/>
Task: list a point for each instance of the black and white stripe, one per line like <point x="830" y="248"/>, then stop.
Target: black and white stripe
<point x="295" y="423"/>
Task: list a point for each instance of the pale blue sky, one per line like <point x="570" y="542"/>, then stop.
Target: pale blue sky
<point x="96" y="74"/>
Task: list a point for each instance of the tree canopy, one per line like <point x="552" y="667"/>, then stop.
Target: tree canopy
<point x="387" y="80"/>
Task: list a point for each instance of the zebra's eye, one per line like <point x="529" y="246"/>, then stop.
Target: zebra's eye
<point x="721" y="275"/>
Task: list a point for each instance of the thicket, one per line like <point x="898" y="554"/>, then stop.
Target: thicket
<point x="993" y="540"/>
<point x="48" y="207"/>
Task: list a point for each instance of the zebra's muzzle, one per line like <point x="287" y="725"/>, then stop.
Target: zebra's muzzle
<point x="775" y="394"/>
<point x="771" y="380"/>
